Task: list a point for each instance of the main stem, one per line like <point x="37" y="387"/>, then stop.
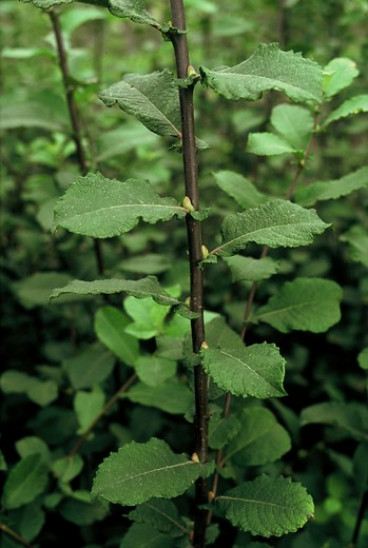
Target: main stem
<point x="180" y="44"/>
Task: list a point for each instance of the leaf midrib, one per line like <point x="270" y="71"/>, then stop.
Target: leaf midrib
<point x="248" y="366"/>
<point x="254" y="501"/>
<point x="291" y="307"/>
<point x="122" y="206"/>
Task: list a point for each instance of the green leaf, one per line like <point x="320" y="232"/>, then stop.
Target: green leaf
<point x="294" y="123"/>
<point x="240" y="188"/>
<point x="153" y="99"/>
<point x="35" y="290"/>
<point x="67" y="468"/>
<point x="40" y="392"/>
<point x="103" y="208"/>
<point x="363" y="358"/>
<point x="337" y="75"/>
<point x="268" y="144"/>
<point x="355" y="105"/>
<point x="143" y="535"/>
<point x="357" y="238"/>
<point x="80" y="511"/>
<point x="45" y="4"/>
<point x="29" y="520"/>
<point x="276" y="224"/>
<point x="267" y="506"/>
<point x="170" y="396"/>
<point x="268" y="68"/>
<point x="153" y="466"/>
<point x="25" y="482"/>
<point x="246" y="269"/>
<point x="150" y="263"/>
<point x="32" y="445"/>
<point x="119" y="141"/>
<point x="154" y="370"/>
<point x="110" y="324"/>
<point x="260" y="440"/>
<point x="352" y="417"/>
<point x="256" y="370"/>
<point x="87" y="406"/>
<point x="219" y="334"/>
<point x="306" y="304"/>
<point x="331" y="190"/>
<point x="131" y="9"/>
<point x="89" y="367"/>
<point x="148" y="317"/>
<point x="160" y="514"/>
<point x="31" y="114"/>
<point x="222" y="430"/>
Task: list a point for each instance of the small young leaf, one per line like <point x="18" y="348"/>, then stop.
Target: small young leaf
<point x="277" y="224"/>
<point x="67" y="468"/>
<point x="294" y="123"/>
<point x="357" y="238"/>
<point x="152" y="466"/>
<point x="25" y="482"/>
<point x="268" y="144"/>
<point x="352" y="417"/>
<point x="246" y="269"/>
<point x="110" y="324"/>
<point x="256" y="370"/>
<point x="170" y="396"/>
<point x="87" y="406"/>
<point x="268" y="68"/>
<point x="160" y="514"/>
<point x="148" y="317"/>
<point x="267" y="506"/>
<point x="103" y="208"/>
<point x="240" y="188"/>
<point x="306" y="304"/>
<point x="154" y="370"/>
<point x="337" y="75"/>
<point x="260" y="440"/>
<point x="331" y="190"/>
<point x="355" y="105"/>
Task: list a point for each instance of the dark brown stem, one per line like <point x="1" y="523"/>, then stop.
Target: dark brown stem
<point x="180" y="44"/>
<point x="104" y="411"/>
<point x="73" y="115"/>
<point x="5" y="529"/>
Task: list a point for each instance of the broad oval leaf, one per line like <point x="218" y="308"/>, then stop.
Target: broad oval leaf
<point x="25" y="481"/>
<point x="294" y="123"/>
<point x="276" y="224"/>
<point x="103" y="208"/>
<point x="256" y="370"/>
<point x="355" y="105"/>
<point x="241" y="189"/>
<point x="246" y="269"/>
<point x="337" y="75"/>
<point x="267" y="506"/>
<point x="268" y="68"/>
<point x="268" y="144"/>
<point x="351" y="417"/>
<point x="139" y="472"/>
<point x="171" y="396"/>
<point x="90" y="366"/>
<point x="160" y="514"/>
<point x="306" y="304"/>
<point x="110" y="324"/>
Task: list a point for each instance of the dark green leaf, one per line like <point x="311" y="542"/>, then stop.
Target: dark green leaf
<point x="143" y="535"/>
<point x="89" y="367"/>
<point x="160" y="514"/>
<point x="25" y="482"/>
<point x="352" y="417"/>
<point x="357" y="238"/>
<point x="170" y="396"/>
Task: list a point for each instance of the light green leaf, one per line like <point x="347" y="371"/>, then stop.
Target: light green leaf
<point x="32" y="445"/>
<point x="90" y="366"/>
<point x="240" y="188"/>
<point x="267" y="506"/>
<point x="245" y="269"/>
<point x="363" y="358"/>
<point x="150" y="263"/>
<point x="71" y="20"/>
<point x="143" y="535"/>
<point x="110" y="324"/>
<point x="170" y="396"/>
<point x="337" y="75"/>
<point x="268" y="144"/>
<point x="256" y="370"/>
<point x="45" y="4"/>
<point x="260" y="440"/>
<point x="276" y="224"/>
<point x="103" y="208"/>
<point x="25" y="482"/>
<point x="40" y="392"/>
<point x="67" y="468"/>
<point x="154" y="370"/>
<point x="222" y="430"/>
<point x="161" y="514"/>
<point x="352" y="417"/>
<point x="357" y="238"/>
<point x="306" y="304"/>
<point x="131" y="9"/>
<point x="152" y="466"/>
<point x="153" y="99"/>
<point x="327" y="190"/>
<point x="355" y="105"/>
<point x="35" y="290"/>
<point x="124" y="139"/>
<point x="294" y="123"/>
<point x="31" y="114"/>
<point x="268" y="68"/>
<point x="148" y="317"/>
<point x="87" y="406"/>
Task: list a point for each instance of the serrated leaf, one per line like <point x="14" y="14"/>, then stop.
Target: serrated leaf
<point x="256" y="370"/>
<point x="45" y="4"/>
<point x="240" y="188"/>
<point x="331" y="190"/>
<point x="337" y="75"/>
<point x="268" y="68"/>
<point x="294" y="123"/>
<point x="246" y="269"/>
<point x="152" y="466"/>
<point x="260" y="440"/>
<point x="153" y="99"/>
<point x="110" y="324"/>
<point x="267" y="506"/>
<point x="352" y="417"/>
<point x="357" y="238"/>
<point x="306" y="304"/>
<point x="87" y="406"/>
<point x="90" y="366"/>
<point x="143" y="535"/>
<point x="154" y="370"/>
<point x="222" y="430"/>
<point x="103" y="208"/>
<point x="25" y="482"/>
<point x="355" y="105"/>
<point x="268" y="144"/>
<point x="170" y="396"/>
<point x="160" y="514"/>
<point x="276" y="224"/>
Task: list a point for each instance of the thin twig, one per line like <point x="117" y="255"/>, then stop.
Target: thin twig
<point x="359" y="521"/>
<point x="5" y="529"/>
